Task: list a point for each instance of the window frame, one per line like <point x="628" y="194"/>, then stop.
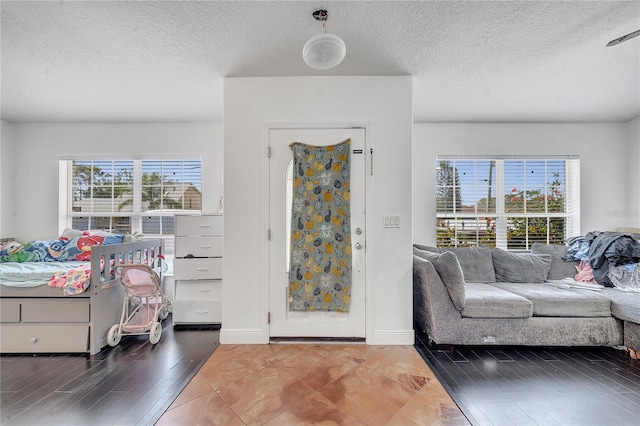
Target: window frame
<point x="136" y="214"/>
<point x="497" y="217"/>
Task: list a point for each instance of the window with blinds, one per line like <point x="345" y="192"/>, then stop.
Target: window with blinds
<point x="508" y="203"/>
<point x="129" y="196"/>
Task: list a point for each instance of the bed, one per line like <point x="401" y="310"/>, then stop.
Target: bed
<point x="42" y="319"/>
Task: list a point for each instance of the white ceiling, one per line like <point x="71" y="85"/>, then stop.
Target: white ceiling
<point x="502" y="61"/>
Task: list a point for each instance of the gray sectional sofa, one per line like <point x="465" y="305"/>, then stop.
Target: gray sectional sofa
<point x="480" y="296"/>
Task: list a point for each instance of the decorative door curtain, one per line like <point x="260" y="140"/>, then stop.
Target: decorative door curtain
<point x="320" y="264"/>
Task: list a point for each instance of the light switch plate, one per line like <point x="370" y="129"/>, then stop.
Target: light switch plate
<point x="391" y="221"/>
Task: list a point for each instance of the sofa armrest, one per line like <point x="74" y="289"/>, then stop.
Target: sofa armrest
<point x="433" y="309"/>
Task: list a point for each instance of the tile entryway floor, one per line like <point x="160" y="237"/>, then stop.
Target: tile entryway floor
<point x="333" y="384"/>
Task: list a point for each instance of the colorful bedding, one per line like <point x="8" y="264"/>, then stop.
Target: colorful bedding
<point x="74" y="281"/>
<point x="61" y="249"/>
<point x="62" y="262"/>
<point x="72" y="277"/>
<point x="33" y="274"/>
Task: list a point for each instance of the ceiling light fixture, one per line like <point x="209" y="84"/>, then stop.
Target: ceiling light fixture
<point x="323" y="51"/>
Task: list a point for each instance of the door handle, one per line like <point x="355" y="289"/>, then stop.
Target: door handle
<point x="359" y="246"/>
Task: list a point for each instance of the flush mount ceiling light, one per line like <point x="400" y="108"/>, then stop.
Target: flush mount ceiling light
<point x="323" y="51"/>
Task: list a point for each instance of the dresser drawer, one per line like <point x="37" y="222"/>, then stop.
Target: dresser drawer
<point x="195" y="312"/>
<point x="34" y="311"/>
<point x="199" y="246"/>
<point x="16" y="338"/>
<point x="197" y="269"/>
<point x="205" y="225"/>
<point x="199" y="290"/>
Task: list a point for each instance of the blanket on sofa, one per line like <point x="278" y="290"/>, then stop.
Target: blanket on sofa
<point x="605" y="250"/>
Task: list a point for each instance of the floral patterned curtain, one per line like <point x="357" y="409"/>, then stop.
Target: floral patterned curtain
<point x="320" y="266"/>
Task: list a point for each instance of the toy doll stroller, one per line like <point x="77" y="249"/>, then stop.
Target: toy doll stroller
<point x="144" y="304"/>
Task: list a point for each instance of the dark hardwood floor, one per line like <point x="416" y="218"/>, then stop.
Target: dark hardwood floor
<point x="135" y="382"/>
<point x="539" y="386"/>
<point x="130" y="384"/>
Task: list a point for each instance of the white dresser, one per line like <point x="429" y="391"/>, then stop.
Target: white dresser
<point x="197" y="269"/>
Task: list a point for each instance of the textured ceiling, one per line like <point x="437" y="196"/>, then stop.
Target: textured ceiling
<point x="507" y="61"/>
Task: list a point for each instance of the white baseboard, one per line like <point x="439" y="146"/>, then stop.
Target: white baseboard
<point x="246" y="336"/>
<point x="256" y="336"/>
<point x="392" y="337"/>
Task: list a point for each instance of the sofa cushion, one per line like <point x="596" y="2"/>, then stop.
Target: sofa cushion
<point x="488" y="301"/>
<point x="624" y="305"/>
<point x="428" y="248"/>
<point x="549" y="300"/>
<point x="447" y="266"/>
<point x="559" y="268"/>
<point x="475" y="262"/>
<point x="520" y="267"/>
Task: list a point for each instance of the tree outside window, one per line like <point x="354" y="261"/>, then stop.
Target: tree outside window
<point x="127" y="196"/>
<point x="534" y="206"/>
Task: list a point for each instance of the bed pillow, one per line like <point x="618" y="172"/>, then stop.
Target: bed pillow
<point x="448" y="267"/>
<point x="79" y="248"/>
<point x="560" y="269"/>
<point x="69" y="233"/>
<point x="9" y="247"/>
<point x="520" y="267"/>
<point x="136" y="236"/>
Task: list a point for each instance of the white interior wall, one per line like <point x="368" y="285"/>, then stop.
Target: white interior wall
<point x="6" y="180"/>
<point x="383" y="103"/>
<point x="633" y="166"/>
<point x="38" y="147"/>
<point x="602" y="149"/>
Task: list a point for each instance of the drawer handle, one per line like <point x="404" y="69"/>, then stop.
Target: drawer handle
<point x="34" y="340"/>
<point x="205" y="226"/>
<point x="202" y="269"/>
<point x="205" y="247"/>
<point x="202" y="312"/>
<point x="204" y="290"/>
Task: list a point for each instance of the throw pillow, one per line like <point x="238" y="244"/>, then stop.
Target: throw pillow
<point x="428" y="248"/>
<point x="520" y="267"/>
<point x="448" y="267"/>
<point x="560" y="269"/>
<point x="476" y="263"/>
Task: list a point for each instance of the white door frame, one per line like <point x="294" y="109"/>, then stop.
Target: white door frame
<point x="368" y="183"/>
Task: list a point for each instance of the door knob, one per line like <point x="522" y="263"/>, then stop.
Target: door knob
<point x="359" y="231"/>
<point x="358" y="246"/>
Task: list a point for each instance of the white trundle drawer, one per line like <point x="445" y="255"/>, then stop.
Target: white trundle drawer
<point x="195" y="312"/>
<point x="9" y="310"/>
<point x="197" y="269"/>
<point x="199" y="246"/>
<point x="55" y="310"/>
<point x="16" y="338"/>
<point x="205" y="225"/>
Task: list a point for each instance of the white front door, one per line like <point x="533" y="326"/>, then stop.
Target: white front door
<point x="286" y="323"/>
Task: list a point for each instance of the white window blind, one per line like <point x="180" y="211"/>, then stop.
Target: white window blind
<point x="506" y="202"/>
<point x="129" y="196"/>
